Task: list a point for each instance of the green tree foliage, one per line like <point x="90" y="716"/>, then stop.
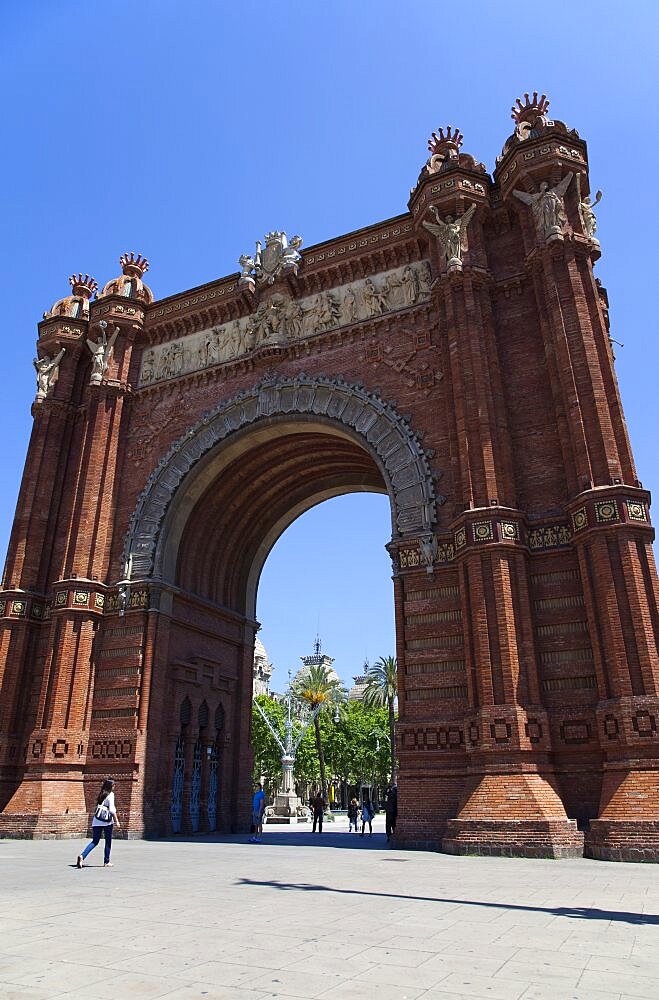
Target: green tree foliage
<point x="356" y="747"/>
<point x="319" y="688"/>
<point x="381" y="690"/>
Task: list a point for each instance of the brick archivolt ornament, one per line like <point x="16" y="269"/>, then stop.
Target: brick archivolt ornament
<point x="383" y="432"/>
<point x="280" y="319"/>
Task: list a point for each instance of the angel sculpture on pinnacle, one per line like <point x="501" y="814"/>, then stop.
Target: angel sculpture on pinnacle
<point x="548" y="208"/>
<point x="450" y="235"/>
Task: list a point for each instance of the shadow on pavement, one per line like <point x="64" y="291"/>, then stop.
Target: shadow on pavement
<point x="285" y="837"/>
<point x="578" y="912"/>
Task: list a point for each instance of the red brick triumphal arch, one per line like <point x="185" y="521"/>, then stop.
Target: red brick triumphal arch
<point x="456" y="358"/>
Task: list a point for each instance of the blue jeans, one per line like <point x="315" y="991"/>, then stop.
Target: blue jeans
<point x="96" y="836"/>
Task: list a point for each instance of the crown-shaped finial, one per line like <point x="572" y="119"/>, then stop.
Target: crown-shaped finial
<point x="447" y="143"/>
<point x="83" y="285"/>
<point x="532" y="108"/>
<point x="134" y="264"/>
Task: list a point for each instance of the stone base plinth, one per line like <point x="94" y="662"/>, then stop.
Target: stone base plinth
<point x="514" y="839"/>
<point x="285" y="820"/>
<point x="617" y="840"/>
<point x="513" y="813"/>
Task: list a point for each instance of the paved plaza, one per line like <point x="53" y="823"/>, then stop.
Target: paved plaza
<point x="321" y="916"/>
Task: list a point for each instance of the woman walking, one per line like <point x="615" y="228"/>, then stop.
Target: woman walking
<point x="105" y="817"/>
<point x="368" y="812"/>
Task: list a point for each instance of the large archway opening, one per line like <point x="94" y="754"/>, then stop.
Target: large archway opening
<point x="329" y="574"/>
<point x="240" y="501"/>
<point x="258" y="486"/>
<point x="325" y="601"/>
<point x="203" y="529"/>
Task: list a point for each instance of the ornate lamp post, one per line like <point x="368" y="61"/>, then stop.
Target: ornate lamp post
<point x="286" y="801"/>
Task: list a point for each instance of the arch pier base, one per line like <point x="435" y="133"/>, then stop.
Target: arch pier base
<point x="513" y="812"/>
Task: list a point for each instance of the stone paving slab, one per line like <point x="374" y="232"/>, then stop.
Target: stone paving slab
<point x="320" y="916"/>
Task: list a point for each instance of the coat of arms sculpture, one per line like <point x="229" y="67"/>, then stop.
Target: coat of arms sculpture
<point x="278" y="258"/>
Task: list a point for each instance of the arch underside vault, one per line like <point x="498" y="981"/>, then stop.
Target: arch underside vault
<point x="257" y="492"/>
<point x="296" y="427"/>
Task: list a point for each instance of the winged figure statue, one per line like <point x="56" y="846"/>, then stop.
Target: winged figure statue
<point x="547" y="206"/>
<point x="450" y="233"/>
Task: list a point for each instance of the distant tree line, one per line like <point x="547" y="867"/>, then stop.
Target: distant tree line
<point x="354" y="740"/>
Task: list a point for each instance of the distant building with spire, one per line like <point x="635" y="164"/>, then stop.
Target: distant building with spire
<point x="358" y="689"/>
<point x="317" y="659"/>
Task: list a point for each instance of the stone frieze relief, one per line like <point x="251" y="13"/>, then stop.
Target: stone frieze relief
<point x="280" y="320"/>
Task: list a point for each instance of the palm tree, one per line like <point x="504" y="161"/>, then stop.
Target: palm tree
<point x="320" y="688"/>
<point x="381" y="689"/>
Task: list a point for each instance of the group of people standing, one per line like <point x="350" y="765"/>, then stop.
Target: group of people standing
<point x="105" y="817"/>
<point x="357" y="813"/>
<point x="366" y="812"/>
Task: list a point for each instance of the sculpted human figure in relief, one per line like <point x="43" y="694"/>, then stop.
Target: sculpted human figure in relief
<point x="329" y="311"/>
<point x="235" y="340"/>
<point x="547" y="207"/>
<point x="46" y="369"/>
<point x="375" y="301"/>
<point x="148" y="366"/>
<point x="450" y="234"/>
<point x="101" y="351"/>
<point x="425" y="278"/>
<point x="294" y="318"/>
<point x="349" y="306"/>
<point x="410" y="283"/>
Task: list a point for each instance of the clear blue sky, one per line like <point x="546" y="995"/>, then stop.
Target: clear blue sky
<point x="187" y="131"/>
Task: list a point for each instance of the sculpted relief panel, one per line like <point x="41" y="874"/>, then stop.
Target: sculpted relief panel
<point x="280" y="320"/>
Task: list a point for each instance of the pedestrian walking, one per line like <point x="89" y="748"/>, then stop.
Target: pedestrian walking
<point x="353" y="810"/>
<point x="258" y="810"/>
<point x="391" y="811"/>
<point x="368" y="812"/>
<point x="318" y="807"/>
<point x="104" y="820"/>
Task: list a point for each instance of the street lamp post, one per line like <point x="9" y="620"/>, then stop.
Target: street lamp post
<point x="286" y="801"/>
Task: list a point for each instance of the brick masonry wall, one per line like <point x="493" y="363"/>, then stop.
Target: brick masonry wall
<point x="526" y="614"/>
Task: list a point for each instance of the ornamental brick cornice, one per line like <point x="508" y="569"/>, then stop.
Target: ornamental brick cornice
<point x="610" y="507"/>
<point x="108" y="389"/>
<point x="122" y="311"/>
<point x="22" y="606"/>
<point x="62" y="328"/>
<point x="631" y="721"/>
<point x="524" y="157"/>
<point x="87" y="596"/>
<point x="449" y="189"/>
<point x="476" y="530"/>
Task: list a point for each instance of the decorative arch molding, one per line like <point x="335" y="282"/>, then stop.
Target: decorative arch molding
<point x="388" y="437"/>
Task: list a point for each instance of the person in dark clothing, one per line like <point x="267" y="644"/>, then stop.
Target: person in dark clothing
<point x="318" y="807"/>
<point x="353" y="810"/>
<point x="391" y="811"/>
